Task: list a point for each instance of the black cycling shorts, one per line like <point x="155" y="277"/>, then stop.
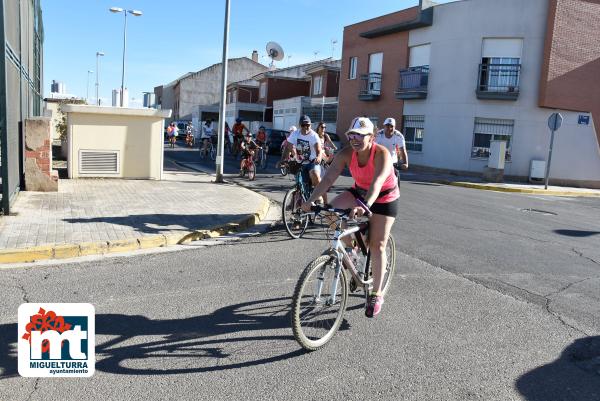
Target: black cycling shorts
<point x="386" y="209"/>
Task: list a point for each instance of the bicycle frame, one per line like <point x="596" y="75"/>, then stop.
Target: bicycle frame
<point x="337" y="247"/>
<point x="302" y="184"/>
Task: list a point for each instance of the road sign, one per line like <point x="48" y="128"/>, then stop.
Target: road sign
<point x="555" y="121"/>
<point x="583" y="120"/>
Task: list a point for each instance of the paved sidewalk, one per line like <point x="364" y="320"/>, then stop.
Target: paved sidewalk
<point x="478" y="183"/>
<point x="95" y="216"/>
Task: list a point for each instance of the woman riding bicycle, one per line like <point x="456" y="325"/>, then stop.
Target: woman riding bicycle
<point x="375" y="185"/>
<point x="326" y="143"/>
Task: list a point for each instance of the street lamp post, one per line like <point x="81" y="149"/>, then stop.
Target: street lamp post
<point x="222" y="104"/>
<point x="98" y="55"/>
<point x="87" y="87"/>
<point x="135" y="13"/>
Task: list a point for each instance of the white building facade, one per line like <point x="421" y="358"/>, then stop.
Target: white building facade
<point x="458" y="127"/>
<point x="462" y="74"/>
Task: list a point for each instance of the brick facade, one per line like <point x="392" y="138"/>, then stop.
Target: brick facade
<point x="570" y="76"/>
<point x="395" y="57"/>
<point x="38" y="156"/>
<point x="278" y="88"/>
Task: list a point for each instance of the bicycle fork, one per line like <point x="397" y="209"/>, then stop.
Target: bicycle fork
<point x="334" y="284"/>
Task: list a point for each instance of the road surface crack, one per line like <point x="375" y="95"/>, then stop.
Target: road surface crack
<point x="35" y="387"/>
<point x="580" y="254"/>
<point x="20" y="286"/>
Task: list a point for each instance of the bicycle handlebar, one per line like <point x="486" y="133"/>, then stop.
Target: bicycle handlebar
<point x="340" y="212"/>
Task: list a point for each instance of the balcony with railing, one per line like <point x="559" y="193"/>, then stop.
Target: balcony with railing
<point x="413" y="83"/>
<point x="370" y="88"/>
<point x="498" y="81"/>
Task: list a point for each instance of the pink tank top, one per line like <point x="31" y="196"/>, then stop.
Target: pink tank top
<point x="363" y="176"/>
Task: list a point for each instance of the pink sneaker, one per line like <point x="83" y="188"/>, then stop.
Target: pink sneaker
<point x="374" y="303"/>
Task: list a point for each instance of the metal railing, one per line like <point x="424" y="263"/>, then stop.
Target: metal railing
<point x="371" y="86"/>
<point x="498" y="80"/>
<point x="413" y="82"/>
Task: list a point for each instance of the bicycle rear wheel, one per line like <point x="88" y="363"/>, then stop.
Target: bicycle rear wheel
<point x="315" y="318"/>
<point x="291" y="214"/>
<point x="284" y="170"/>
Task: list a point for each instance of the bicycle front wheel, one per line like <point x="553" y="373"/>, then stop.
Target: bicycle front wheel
<point x="252" y="172"/>
<point x="284" y="170"/>
<point x="390" y="267"/>
<point x="291" y="214"/>
<point x="213" y="152"/>
<point x="263" y="160"/>
<point x="319" y="303"/>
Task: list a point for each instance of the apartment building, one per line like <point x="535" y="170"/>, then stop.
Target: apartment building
<point x="459" y="75"/>
<point x="276" y="98"/>
<point x="197" y="94"/>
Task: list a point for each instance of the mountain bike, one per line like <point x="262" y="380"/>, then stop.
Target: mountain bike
<point x="294" y="219"/>
<point x="321" y="293"/>
<point x="210" y="149"/>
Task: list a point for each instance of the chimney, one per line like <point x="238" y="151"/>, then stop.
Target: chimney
<point x="255" y="56"/>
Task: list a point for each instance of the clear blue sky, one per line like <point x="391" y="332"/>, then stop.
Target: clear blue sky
<point x="177" y="36"/>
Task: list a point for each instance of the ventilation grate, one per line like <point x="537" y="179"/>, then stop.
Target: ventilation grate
<point x="99" y="162"/>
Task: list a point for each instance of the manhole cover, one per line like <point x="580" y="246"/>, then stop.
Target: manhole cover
<point x="544" y="212"/>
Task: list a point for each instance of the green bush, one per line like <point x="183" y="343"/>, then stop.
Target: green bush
<point x="61" y="125"/>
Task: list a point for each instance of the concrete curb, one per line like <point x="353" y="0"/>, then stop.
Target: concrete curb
<point x="486" y="187"/>
<point x="67" y="251"/>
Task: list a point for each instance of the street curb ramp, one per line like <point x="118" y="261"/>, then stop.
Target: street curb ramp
<point x="68" y="251"/>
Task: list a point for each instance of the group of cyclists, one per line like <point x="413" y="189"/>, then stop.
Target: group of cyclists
<point x="374" y="159"/>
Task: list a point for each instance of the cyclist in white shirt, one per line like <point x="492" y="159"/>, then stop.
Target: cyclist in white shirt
<point x="206" y="134"/>
<point x="393" y="140"/>
<point x="305" y="145"/>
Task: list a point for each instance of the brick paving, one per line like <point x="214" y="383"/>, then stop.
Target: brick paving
<point x="92" y="210"/>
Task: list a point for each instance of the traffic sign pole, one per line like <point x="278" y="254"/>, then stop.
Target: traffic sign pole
<point x="554" y="123"/>
<point x="549" y="160"/>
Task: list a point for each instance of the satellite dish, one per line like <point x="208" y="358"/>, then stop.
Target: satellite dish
<point x="274" y="51"/>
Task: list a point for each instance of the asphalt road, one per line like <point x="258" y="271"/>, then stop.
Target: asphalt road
<point x="491" y="302"/>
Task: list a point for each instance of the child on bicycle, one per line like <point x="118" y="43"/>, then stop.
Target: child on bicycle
<point x="261" y="136"/>
<point x="189" y="135"/>
<point x="248" y="148"/>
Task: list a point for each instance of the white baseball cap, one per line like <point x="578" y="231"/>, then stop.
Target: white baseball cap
<point x="390" y="121"/>
<point x="362" y="126"/>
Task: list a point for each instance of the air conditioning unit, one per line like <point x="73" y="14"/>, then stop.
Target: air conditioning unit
<point x="537" y="172"/>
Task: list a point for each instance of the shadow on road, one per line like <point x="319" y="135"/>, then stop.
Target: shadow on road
<point x="574" y="376"/>
<point x="232" y="337"/>
<point x="577" y="233"/>
<point x="162" y="223"/>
